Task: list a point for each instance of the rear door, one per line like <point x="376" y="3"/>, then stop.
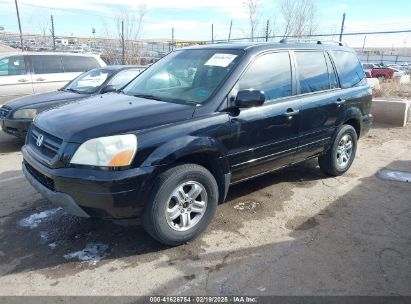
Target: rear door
<point x="321" y="105"/>
<point x="15" y="81"/>
<point x="47" y="73"/>
<point x="265" y="137"/>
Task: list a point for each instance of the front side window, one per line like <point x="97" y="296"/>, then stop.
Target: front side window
<point x="46" y="64"/>
<point x="312" y="71"/>
<point x="270" y="73"/>
<point x="79" y="63"/>
<point x="13" y="65"/>
<point x="89" y="82"/>
<point x="122" y="78"/>
<point x="185" y="76"/>
<point x="349" y="69"/>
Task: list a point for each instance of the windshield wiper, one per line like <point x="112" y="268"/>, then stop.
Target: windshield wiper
<point x="147" y="96"/>
<point x="72" y="90"/>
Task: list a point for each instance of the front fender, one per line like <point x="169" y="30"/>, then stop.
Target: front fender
<point x="173" y="150"/>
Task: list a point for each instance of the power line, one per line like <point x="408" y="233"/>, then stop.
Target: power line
<point x="322" y="35"/>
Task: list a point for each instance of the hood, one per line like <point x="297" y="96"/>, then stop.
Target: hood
<point x="42" y="100"/>
<point x="109" y="114"/>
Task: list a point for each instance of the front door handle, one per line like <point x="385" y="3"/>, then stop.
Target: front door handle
<point x="290" y="113"/>
<point x="22" y="80"/>
<point x="40" y="79"/>
<point x="340" y="101"/>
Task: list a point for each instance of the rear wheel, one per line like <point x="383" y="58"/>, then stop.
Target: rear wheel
<point x="184" y="202"/>
<point x="341" y="154"/>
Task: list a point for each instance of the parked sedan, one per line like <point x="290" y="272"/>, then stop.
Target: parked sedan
<point x="17" y="115"/>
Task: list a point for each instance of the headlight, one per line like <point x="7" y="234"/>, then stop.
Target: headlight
<point x="111" y="151"/>
<point x="25" y="113"/>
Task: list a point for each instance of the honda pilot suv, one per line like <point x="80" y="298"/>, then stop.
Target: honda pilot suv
<point x="168" y="146"/>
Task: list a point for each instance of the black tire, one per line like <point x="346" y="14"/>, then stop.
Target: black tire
<point x="329" y="161"/>
<point x="154" y="216"/>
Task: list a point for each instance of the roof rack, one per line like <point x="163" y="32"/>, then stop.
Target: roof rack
<point x="304" y="40"/>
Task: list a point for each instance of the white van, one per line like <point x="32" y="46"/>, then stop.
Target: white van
<point x="31" y="73"/>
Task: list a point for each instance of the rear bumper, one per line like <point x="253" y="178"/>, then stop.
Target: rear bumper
<point x="366" y="124"/>
<point x="15" y="127"/>
<point x="92" y="193"/>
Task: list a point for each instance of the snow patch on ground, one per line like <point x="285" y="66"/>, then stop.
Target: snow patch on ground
<point x="246" y="205"/>
<point x="35" y="219"/>
<point x="92" y="253"/>
<point x="398" y="176"/>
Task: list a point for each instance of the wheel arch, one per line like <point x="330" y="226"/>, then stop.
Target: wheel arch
<point x="203" y="151"/>
<point x="353" y="118"/>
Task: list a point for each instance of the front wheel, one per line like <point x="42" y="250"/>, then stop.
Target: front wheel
<point x="183" y="203"/>
<point x="341" y="154"/>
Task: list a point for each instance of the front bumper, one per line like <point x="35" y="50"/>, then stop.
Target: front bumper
<point x="16" y="127"/>
<point x="92" y="193"/>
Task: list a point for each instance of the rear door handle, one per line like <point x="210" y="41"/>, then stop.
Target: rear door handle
<point x="340" y="101"/>
<point x="290" y="113"/>
<point x="22" y="80"/>
<point x="40" y="79"/>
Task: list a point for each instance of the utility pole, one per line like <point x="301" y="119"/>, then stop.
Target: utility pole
<point x="122" y="43"/>
<point x="18" y="19"/>
<point x="363" y="44"/>
<point x="266" y="30"/>
<point x="342" y="27"/>
<point x="52" y="32"/>
<point x="229" y="33"/>
<point x="172" y="38"/>
<point x="212" y="33"/>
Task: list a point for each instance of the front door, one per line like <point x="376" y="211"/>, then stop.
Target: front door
<point x="265" y="137"/>
<point x="15" y="81"/>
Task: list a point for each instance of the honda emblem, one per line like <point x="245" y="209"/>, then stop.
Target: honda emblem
<point x="39" y="140"/>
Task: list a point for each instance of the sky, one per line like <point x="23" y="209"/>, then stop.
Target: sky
<point x="192" y="20"/>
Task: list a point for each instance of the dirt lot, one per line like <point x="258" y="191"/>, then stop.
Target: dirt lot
<point x="293" y="232"/>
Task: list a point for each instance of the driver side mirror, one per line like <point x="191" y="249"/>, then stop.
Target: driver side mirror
<point x="249" y="98"/>
<point x="109" y="88"/>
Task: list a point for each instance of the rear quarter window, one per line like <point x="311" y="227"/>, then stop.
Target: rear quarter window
<point x="79" y="63"/>
<point x="349" y="69"/>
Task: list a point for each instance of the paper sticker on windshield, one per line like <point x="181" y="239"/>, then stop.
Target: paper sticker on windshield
<point x="221" y="60"/>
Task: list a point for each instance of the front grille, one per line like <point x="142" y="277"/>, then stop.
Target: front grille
<point x="40" y="177"/>
<point x="4" y="111"/>
<point x="49" y="146"/>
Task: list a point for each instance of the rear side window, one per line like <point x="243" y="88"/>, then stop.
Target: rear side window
<point x="13" y="65"/>
<point x="349" y="69"/>
<point x="79" y="63"/>
<point x="312" y="71"/>
<point x="270" y="73"/>
<point x="46" y="64"/>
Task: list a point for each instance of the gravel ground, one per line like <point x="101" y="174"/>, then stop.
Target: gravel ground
<point x="292" y="232"/>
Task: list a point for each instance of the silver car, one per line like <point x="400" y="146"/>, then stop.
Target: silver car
<point x="32" y="73"/>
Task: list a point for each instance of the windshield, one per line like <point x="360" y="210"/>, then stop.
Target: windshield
<point x="186" y="76"/>
<point x="89" y="82"/>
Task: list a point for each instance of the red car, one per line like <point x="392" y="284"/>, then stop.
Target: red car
<point x="377" y="71"/>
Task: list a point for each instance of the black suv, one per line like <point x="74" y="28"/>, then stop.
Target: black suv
<point x="168" y="146"/>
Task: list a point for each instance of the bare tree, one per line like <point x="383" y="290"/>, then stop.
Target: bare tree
<point x="299" y="17"/>
<point x="252" y="7"/>
<point x="133" y="23"/>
